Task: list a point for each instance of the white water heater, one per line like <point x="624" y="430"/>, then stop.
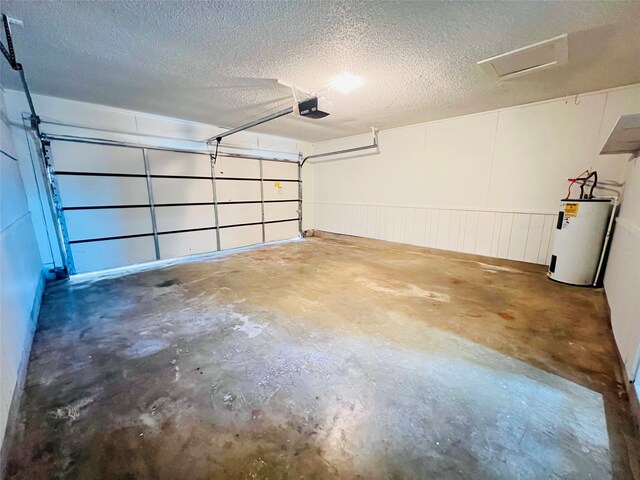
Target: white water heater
<point x="578" y="240"/>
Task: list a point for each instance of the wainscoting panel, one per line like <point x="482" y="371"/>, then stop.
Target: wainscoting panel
<point x="511" y="235"/>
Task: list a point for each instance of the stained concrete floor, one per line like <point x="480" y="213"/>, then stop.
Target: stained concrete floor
<point x="326" y="358"/>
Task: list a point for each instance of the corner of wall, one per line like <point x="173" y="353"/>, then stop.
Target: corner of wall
<point x="22" y="280"/>
<point x="14" y="407"/>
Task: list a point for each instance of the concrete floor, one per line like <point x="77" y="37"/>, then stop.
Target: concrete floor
<point x="326" y="358"/>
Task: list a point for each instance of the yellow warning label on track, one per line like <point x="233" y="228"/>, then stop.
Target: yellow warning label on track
<point x="571" y="210"/>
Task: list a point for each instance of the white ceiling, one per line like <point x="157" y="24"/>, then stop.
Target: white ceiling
<point x="204" y="61"/>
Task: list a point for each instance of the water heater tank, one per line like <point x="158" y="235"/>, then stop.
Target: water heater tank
<point x="578" y="239"/>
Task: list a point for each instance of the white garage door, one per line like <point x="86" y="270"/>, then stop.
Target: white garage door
<point x="121" y="205"/>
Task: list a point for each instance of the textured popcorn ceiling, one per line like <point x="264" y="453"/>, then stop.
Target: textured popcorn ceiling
<point x="208" y="61"/>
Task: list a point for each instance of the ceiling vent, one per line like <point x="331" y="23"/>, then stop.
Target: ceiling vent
<point x="523" y="61"/>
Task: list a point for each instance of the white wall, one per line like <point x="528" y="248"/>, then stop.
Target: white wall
<point x="21" y="279"/>
<point x="488" y="183"/>
<point x="68" y="117"/>
<point x="622" y="278"/>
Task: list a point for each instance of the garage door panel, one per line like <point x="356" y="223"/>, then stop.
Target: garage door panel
<point x="183" y="218"/>
<point x="280" y="211"/>
<point x="237" y="190"/>
<point x="113" y="176"/>
<point x="280" y="190"/>
<point x="240" y="213"/>
<point x="82" y="157"/>
<point x="281" y="231"/>
<point x="80" y="191"/>
<point x="187" y="243"/>
<point x="92" y="256"/>
<point x="236" y="237"/>
<point x="237" y="167"/>
<point x="181" y="190"/>
<point x="279" y="170"/>
<point x="177" y="163"/>
<point x="108" y="222"/>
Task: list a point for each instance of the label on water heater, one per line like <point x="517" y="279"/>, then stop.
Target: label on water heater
<point x="571" y="210"/>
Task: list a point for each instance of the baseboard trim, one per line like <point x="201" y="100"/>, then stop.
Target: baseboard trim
<point x="18" y="390"/>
